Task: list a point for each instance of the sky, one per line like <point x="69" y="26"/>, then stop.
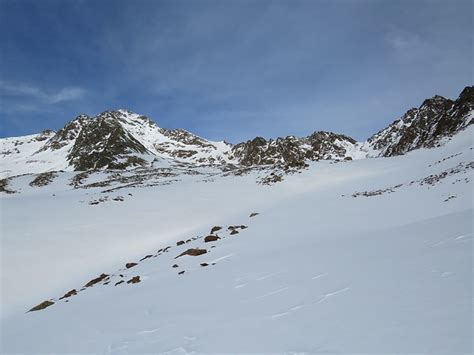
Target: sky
<point x="231" y="69"/>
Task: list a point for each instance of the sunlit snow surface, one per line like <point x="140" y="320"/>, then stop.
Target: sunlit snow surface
<point x="317" y="271"/>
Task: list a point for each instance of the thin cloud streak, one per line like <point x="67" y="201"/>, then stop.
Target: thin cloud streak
<point x="28" y="91"/>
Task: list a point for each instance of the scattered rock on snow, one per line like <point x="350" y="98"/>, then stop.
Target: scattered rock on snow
<point x="181" y="272"/>
<point x="181" y="242"/>
<point x="215" y="229"/>
<point x="41" y="306"/>
<point x="96" y="280"/>
<point x="211" y="238"/>
<point x="69" y="294"/>
<point x="134" y="280"/>
<point x="193" y="252"/>
<point x="146" y="257"/>
<point x="253" y="214"/>
<point x="43" y="179"/>
<point x="120" y="282"/>
<point x="129" y="265"/>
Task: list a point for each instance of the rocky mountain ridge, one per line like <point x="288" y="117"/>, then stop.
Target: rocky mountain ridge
<point x="425" y="126"/>
<point x="118" y="140"/>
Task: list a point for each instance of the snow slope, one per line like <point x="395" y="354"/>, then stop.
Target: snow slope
<point x="363" y="256"/>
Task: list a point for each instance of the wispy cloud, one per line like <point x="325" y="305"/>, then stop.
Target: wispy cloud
<point x="46" y="97"/>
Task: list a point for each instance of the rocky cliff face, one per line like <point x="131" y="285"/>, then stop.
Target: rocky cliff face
<point x="104" y="143"/>
<point x="426" y="126"/>
<point x="293" y="151"/>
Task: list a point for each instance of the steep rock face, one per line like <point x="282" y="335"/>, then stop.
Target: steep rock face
<point x="293" y="151"/>
<point x="104" y="143"/>
<point x="425" y="126"/>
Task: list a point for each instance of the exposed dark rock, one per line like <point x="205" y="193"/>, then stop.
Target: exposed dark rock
<point x="215" y="229"/>
<point x="234" y="232"/>
<point x="43" y="179"/>
<point x="146" y="257"/>
<point x="204" y="264"/>
<point x="134" y="280"/>
<point x="181" y="272"/>
<point x="211" y="238"/>
<point x="271" y="179"/>
<point x="41" y="306"/>
<point x="253" y="214"/>
<point x="129" y="265"/>
<point x="181" y="242"/>
<point x="175" y="266"/>
<point x="45" y="135"/>
<point x="79" y="178"/>
<point x="69" y="294"/>
<point x="193" y="252"/>
<point x="120" y="282"/>
<point x="4" y="186"/>
<point x="96" y="280"/>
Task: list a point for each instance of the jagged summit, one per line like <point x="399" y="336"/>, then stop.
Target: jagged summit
<point x="122" y="139"/>
<point x="293" y="151"/>
<point x="425" y="126"/>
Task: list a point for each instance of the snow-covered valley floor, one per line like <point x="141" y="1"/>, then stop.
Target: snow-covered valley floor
<point x="364" y="256"/>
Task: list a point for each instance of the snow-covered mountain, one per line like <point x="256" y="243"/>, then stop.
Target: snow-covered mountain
<point x="123" y="140"/>
<point x="112" y="140"/>
<point x="425" y="127"/>
<point x="281" y="246"/>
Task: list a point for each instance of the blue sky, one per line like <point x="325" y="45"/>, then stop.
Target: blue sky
<point x="231" y="69"/>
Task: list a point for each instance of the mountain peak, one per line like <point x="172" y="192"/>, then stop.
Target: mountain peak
<point x="436" y="102"/>
<point x="424" y="127"/>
